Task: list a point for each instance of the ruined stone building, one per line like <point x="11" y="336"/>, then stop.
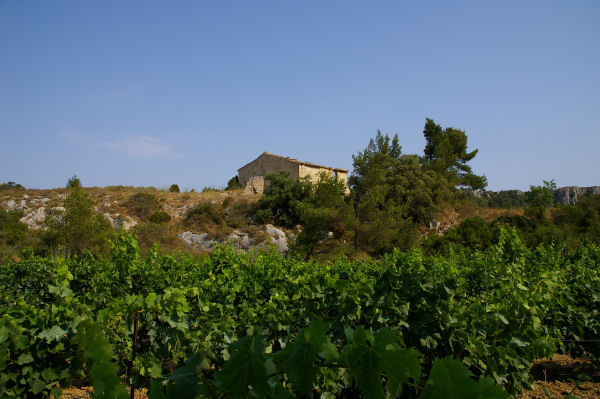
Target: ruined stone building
<point x="252" y="175"/>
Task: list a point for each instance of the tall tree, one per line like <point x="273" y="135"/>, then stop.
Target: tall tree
<point x="392" y="193"/>
<point x="446" y="154"/>
<point x="325" y="214"/>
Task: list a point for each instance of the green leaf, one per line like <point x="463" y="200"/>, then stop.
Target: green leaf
<point x="518" y="342"/>
<point x="279" y="392"/>
<point x="245" y="367"/>
<point x="24" y="358"/>
<point x="91" y="341"/>
<point x="157" y="390"/>
<point x="37" y="386"/>
<point x="501" y="318"/>
<point x="49" y="375"/>
<point x="398" y="364"/>
<point x="185" y="379"/>
<point x="4" y="334"/>
<point x="329" y="352"/>
<point x="52" y="334"/>
<point x="450" y="379"/>
<point x="107" y="384"/>
<point x="299" y="364"/>
<point x="155" y="370"/>
<point x="364" y="364"/>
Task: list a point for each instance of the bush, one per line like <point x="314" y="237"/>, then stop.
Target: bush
<point x="239" y="213"/>
<point x="174" y="188"/>
<point x="210" y="190"/>
<point x="279" y="204"/>
<point x="203" y="214"/>
<point x="233" y="184"/>
<point x="79" y="227"/>
<point x="9" y="186"/>
<point x="74" y="182"/>
<point x="142" y="205"/>
<point x="159" y="217"/>
<point x="147" y="234"/>
<point x="226" y="202"/>
<point x="14" y="235"/>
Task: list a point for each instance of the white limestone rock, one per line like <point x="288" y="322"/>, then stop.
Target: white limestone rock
<point x="34" y="219"/>
<point x="119" y="221"/>
<point x="277" y="237"/>
<point x="197" y="241"/>
<point x="239" y="240"/>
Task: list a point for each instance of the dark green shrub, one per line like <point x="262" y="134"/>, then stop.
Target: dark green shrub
<point x="203" y="214"/>
<point x="233" y="184"/>
<point x="14" y="235"/>
<point x="147" y="234"/>
<point x="10" y="185"/>
<point x="174" y="188"/>
<point x="210" y="190"/>
<point x="79" y="227"/>
<point x="279" y="204"/>
<point x="239" y="213"/>
<point x="74" y="182"/>
<point x="159" y="217"/>
<point x="12" y="231"/>
<point x="142" y="205"/>
<point x="226" y="202"/>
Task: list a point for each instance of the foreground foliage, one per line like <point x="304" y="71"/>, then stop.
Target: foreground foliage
<point x="407" y="325"/>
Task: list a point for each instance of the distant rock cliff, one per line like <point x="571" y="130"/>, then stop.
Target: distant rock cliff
<point x="570" y="195"/>
<point x="516" y="198"/>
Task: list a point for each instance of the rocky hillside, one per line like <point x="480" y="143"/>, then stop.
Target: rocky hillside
<point x="569" y="195"/>
<point x="115" y="204"/>
<point x="226" y="216"/>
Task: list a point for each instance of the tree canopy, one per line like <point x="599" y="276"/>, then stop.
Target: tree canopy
<point x="392" y="193"/>
<point x="446" y="154"/>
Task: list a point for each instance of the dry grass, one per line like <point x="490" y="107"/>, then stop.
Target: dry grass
<point x="467" y="209"/>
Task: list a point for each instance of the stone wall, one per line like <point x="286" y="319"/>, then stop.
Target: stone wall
<point x="265" y="164"/>
<point x="314" y="172"/>
<point x="251" y="176"/>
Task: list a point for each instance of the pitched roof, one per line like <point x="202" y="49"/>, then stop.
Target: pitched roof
<point x="293" y="160"/>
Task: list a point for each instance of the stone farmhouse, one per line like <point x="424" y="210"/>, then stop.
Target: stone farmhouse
<point x="252" y="175"/>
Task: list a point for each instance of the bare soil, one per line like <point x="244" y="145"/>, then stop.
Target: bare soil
<point x="564" y="377"/>
<point x="87" y="393"/>
<point x="559" y="377"/>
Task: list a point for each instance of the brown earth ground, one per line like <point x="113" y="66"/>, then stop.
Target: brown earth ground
<point x="563" y="377"/>
<point x="87" y="392"/>
<point x="560" y="377"/>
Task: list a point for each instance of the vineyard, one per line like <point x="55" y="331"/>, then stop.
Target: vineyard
<point x="236" y="325"/>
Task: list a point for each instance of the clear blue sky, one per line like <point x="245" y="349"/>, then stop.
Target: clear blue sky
<point x="153" y="93"/>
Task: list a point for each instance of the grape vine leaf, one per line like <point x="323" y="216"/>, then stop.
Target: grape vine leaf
<point x="24" y="358"/>
<point x="107" y="384"/>
<point x="244" y="367"/>
<point x="51" y="334"/>
<point x="299" y="361"/>
<point x="364" y="363"/>
<point x="399" y="364"/>
<point x="371" y="355"/>
<point x="450" y="379"/>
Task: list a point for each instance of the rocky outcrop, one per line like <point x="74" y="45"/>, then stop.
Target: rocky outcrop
<point x="33" y="209"/>
<point x="118" y="221"/>
<point x="35" y="218"/>
<point x="197" y="241"/>
<point x="515" y="198"/>
<point x="277" y="237"/>
<point x="238" y="240"/>
<point x="570" y="195"/>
